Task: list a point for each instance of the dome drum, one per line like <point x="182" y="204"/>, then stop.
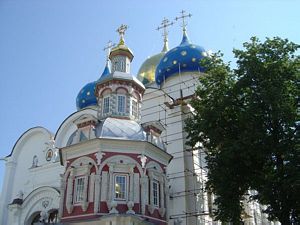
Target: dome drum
<point x="119" y="95"/>
<point x="121" y="51"/>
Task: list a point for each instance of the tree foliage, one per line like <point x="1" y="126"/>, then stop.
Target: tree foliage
<point x="246" y="118"/>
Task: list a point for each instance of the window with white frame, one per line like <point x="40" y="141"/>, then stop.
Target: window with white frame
<point x="121" y="103"/>
<point x="106" y="105"/>
<point x="134" y="108"/>
<point x="79" y="187"/>
<point x="155" y="190"/>
<point x="120" y="187"/>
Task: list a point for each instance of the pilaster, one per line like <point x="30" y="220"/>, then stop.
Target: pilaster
<point x="97" y="193"/>
<point x="10" y="167"/>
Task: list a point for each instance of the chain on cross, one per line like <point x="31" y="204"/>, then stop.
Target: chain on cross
<point x="183" y="16"/>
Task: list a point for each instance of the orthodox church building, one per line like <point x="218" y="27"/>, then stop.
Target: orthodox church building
<point x="122" y="157"/>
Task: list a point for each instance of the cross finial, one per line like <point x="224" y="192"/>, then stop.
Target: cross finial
<point x="121" y="30"/>
<point x="183" y="16"/>
<point x="164" y="24"/>
<point x="108" y="48"/>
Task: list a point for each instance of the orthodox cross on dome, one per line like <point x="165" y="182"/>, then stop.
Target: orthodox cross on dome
<point x="121" y="30"/>
<point x="164" y="24"/>
<point x="108" y="49"/>
<point x="183" y="16"/>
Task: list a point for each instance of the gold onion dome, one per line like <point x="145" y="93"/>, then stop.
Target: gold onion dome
<point x="146" y="72"/>
<point x="121" y="48"/>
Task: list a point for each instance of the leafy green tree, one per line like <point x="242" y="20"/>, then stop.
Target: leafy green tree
<point x="246" y="119"/>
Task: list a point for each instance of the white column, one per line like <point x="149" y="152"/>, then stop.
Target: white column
<point x="7" y="184"/>
<point x="151" y="206"/>
<point x="162" y="209"/>
<point x="69" y="199"/>
<point x="62" y="195"/>
<point x="85" y="203"/>
<point x="162" y="192"/>
<point x="144" y="193"/>
<point x="131" y="191"/>
<point x="97" y="193"/>
<point x="151" y="192"/>
<point x="111" y="183"/>
<point x="91" y="189"/>
<point x="167" y="195"/>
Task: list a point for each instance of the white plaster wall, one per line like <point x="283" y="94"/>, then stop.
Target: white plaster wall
<point x="180" y="169"/>
<point x="20" y="176"/>
<point x="26" y="178"/>
<point x="6" y="190"/>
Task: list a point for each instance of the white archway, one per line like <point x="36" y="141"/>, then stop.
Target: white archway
<point x="43" y="199"/>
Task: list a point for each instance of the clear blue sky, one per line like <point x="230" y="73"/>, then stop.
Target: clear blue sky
<point x="50" y="48"/>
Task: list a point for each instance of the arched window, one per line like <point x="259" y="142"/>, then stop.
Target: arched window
<point x="155" y="193"/>
<point x="79" y="188"/>
<point x="105" y="106"/>
<point x="134" y="108"/>
<point x="120" y="187"/>
<point x="121" y="103"/>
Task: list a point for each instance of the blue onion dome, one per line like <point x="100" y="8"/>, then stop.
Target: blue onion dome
<point x="184" y="58"/>
<point x="106" y="71"/>
<point x="86" y="96"/>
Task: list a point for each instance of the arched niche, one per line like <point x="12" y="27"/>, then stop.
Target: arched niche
<point x="43" y="199"/>
<point x="125" y="160"/>
<point x="25" y="137"/>
<point x="68" y="127"/>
